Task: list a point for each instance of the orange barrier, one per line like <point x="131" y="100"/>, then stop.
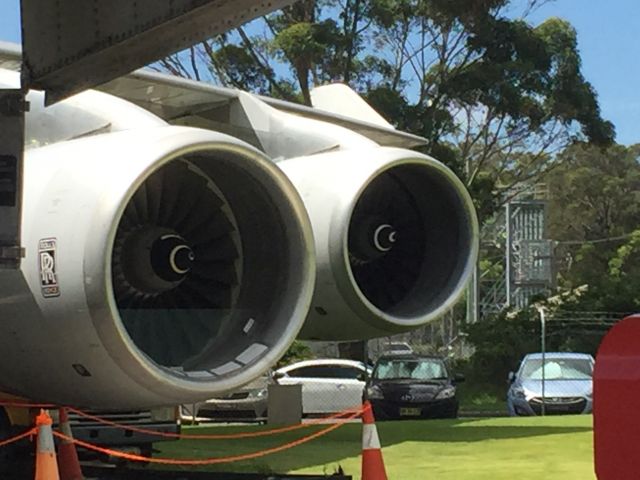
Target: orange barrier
<point x="213" y="460"/>
<point x="46" y="460"/>
<point x="372" y="463"/>
<point x="46" y="465"/>
<point x="228" y="436"/>
<point x="68" y="461"/>
<point x="17" y="404"/>
<point x="186" y="436"/>
<point x="17" y="438"/>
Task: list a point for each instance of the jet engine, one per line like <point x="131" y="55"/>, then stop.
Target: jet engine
<point x="164" y="265"/>
<point x="396" y="240"/>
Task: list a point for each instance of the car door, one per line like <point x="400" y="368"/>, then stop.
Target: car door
<point x="349" y="385"/>
<point x="327" y="388"/>
<point x="315" y="387"/>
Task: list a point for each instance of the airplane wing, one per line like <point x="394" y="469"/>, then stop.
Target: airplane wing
<point x="183" y="101"/>
<point x="10" y="56"/>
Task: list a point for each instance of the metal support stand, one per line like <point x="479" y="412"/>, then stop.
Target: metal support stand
<point x="12" y="109"/>
<point x="543" y="346"/>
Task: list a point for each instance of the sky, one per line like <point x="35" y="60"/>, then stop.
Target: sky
<point x="607" y="38"/>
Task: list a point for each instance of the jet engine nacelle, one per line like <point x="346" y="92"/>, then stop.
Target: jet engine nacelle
<point x="396" y="240"/>
<point x="163" y="265"/>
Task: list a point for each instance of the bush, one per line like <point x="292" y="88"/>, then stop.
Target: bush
<point x="500" y="343"/>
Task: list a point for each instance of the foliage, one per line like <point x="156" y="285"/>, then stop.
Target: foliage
<point x="297" y="352"/>
<point x="494" y="96"/>
<point x="500" y="342"/>
<point x="594" y="214"/>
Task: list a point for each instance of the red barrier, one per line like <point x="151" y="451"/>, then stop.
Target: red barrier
<point x="616" y="390"/>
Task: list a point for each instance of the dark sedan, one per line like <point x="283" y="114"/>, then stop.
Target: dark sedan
<point x="412" y="386"/>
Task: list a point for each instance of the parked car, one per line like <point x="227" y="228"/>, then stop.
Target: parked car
<point x="328" y="385"/>
<point x="412" y="386"/>
<point x="567" y="384"/>
<point x="397" y="348"/>
<point x="248" y="403"/>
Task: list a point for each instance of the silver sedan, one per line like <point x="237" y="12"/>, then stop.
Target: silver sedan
<point x="564" y="386"/>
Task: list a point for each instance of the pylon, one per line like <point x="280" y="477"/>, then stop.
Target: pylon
<point x="68" y="462"/>
<point x="372" y="463"/>
<point x="46" y="465"/>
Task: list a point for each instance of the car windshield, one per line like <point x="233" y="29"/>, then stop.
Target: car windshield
<point x="417" y="369"/>
<point x="557" y="369"/>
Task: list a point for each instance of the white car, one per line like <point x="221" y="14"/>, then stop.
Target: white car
<point x="328" y="385"/>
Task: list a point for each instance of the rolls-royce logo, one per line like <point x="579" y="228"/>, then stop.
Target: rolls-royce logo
<point x="47" y="265"/>
<point x="407" y="397"/>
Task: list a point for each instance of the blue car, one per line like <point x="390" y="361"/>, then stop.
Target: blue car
<point x="567" y="387"/>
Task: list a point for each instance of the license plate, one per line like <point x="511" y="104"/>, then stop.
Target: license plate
<point x="410" y="412"/>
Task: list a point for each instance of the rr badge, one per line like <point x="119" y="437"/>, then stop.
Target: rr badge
<point x="47" y="268"/>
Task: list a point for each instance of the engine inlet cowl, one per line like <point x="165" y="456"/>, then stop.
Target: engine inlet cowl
<point x="168" y="287"/>
<point x="396" y="237"/>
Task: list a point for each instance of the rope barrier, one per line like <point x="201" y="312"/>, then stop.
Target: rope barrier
<point x="18" y="404"/>
<point x="212" y="460"/>
<point x="186" y="436"/>
<point x="228" y="436"/>
<point x="17" y="438"/>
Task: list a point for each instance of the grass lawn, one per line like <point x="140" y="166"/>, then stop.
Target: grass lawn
<point x="482" y="398"/>
<point x="475" y="449"/>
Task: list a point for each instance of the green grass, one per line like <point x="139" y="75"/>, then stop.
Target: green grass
<point x="474" y="449"/>
<point x="481" y="398"/>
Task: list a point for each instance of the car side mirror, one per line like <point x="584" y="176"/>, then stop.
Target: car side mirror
<point x="278" y="375"/>
<point x="362" y="377"/>
<point x="458" y="378"/>
<point x="511" y="377"/>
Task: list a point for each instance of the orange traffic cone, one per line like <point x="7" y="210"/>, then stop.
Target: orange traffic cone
<point x="372" y="464"/>
<point x="68" y="462"/>
<point x="46" y="465"/>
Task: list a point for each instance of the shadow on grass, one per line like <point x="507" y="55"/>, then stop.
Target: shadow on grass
<point x="346" y="441"/>
<point x="466" y="431"/>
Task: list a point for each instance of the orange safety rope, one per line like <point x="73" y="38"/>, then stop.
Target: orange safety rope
<point x="18" y="404"/>
<point x="214" y="460"/>
<point x="17" y="438"/>
<point x="227" y="436"/>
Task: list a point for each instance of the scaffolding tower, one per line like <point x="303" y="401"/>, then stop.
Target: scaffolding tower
<point x="520" y="229"/>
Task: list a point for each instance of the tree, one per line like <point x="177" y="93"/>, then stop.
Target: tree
<point x="500" y="95"/>
<point x="594" y="213"/>
<point x="500" y="342"/>
<point x="495" y="97"/>
<point x="297" y="352"/>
